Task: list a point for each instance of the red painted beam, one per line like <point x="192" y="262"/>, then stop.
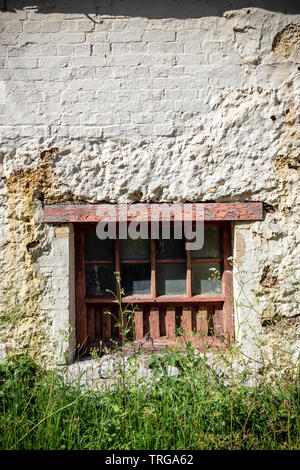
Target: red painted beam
<point x="220" y="211"/>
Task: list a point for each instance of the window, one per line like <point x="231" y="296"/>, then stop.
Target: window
<point x="153" y="269"/>
<point x="171" y="288"/>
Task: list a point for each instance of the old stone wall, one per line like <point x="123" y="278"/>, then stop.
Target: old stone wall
<point x="137" y="101"/>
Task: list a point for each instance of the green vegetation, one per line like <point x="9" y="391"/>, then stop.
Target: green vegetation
<point x="198" y="409"/>
<point x="205" y="406"/>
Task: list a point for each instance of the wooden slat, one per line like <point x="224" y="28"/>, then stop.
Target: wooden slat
<point x="117" y="314"/>
<point x="201" y="321"/>
<point x="154" y="322"/>
<point x="115" y="330"/>
<point x="196" y="299"/>
<point x="135" y="261"/>
<point x="106" y="324"/>
<point x="170" y="261"/>
<point x="158" y="261"/>
<point x="188" y="273"/>
<point x="170" y="321"/>
<point x="219" y="323"/>
<point x="162" y="321"/>
<point x="91" y="324"/>
<point x="226" y="246"/>
<point x="206" y="260"/>
<point x="146" y="319"/>
<point x="143" y="212"/>
<point x="138" y="324"/>
<point x="210" y="324"/>
<point x="81" y="309"/>
<point x="98" y="321"/>
<point x="227" y="284"/>
<point x="128" y="323"/>
<point x="117" y="264"/>
<point x="228" y="311"/>
<point x="187" y="321"/>
<point x="99" y="262"/>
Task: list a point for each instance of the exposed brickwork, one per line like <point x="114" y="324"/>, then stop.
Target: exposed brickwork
<point x="149" y="102"/>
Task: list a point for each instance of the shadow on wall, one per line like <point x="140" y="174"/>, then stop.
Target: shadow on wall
<point x="150" y="9"/>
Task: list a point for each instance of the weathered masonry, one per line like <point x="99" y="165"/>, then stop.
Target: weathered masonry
<point x="149" y="103"/>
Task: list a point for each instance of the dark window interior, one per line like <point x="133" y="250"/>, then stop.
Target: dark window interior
<point x="154" y="268"/>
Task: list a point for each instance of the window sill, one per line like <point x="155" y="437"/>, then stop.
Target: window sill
<point x="206" y="298"/>
<point x="200" y="344"/>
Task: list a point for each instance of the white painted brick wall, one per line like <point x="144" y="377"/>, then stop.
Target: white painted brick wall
<point x="67" y="52"/>
<point x="160" y="101"/>
<point x="58" y="269"/>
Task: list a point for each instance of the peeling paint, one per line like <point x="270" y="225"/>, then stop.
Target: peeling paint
<point x="287" y="42"/>
<point x="267" y="279"/>
<point x="240" y="249"/>
<point x="25" y="188"/>
<point x="284" y="163"/>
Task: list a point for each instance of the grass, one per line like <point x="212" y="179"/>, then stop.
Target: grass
<point x="198" y="409"/>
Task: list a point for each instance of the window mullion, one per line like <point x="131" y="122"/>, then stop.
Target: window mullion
<point x="226" y="246"/>
<point x="188" y="273"/>
<point x="117" y="262"/>
<point x="153" y="269"/>
<point x="81" y="286"/>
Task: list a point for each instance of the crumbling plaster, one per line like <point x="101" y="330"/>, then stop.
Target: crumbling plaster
<point x="127" y="108"/>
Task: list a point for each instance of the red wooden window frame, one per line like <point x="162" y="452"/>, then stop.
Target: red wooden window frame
<point x="89" y="312"/>
<point x="221" y="303"/>
<point x="212" y="211"/>
<point x="153" y="261"/>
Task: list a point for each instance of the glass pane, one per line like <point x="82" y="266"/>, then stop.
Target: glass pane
<point x="99" y="277"/>
<point x="136" y="279"/>
<point x="212" y="244"/>
<point x="135" y="249"/>
<point x="96" y="249"/>
<point x="206" y="278"/>
<point x="170" y="248"/>
<point x="171" y="279"/>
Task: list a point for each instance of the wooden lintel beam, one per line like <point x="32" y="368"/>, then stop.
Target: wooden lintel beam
<point x="222" y="211"/>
